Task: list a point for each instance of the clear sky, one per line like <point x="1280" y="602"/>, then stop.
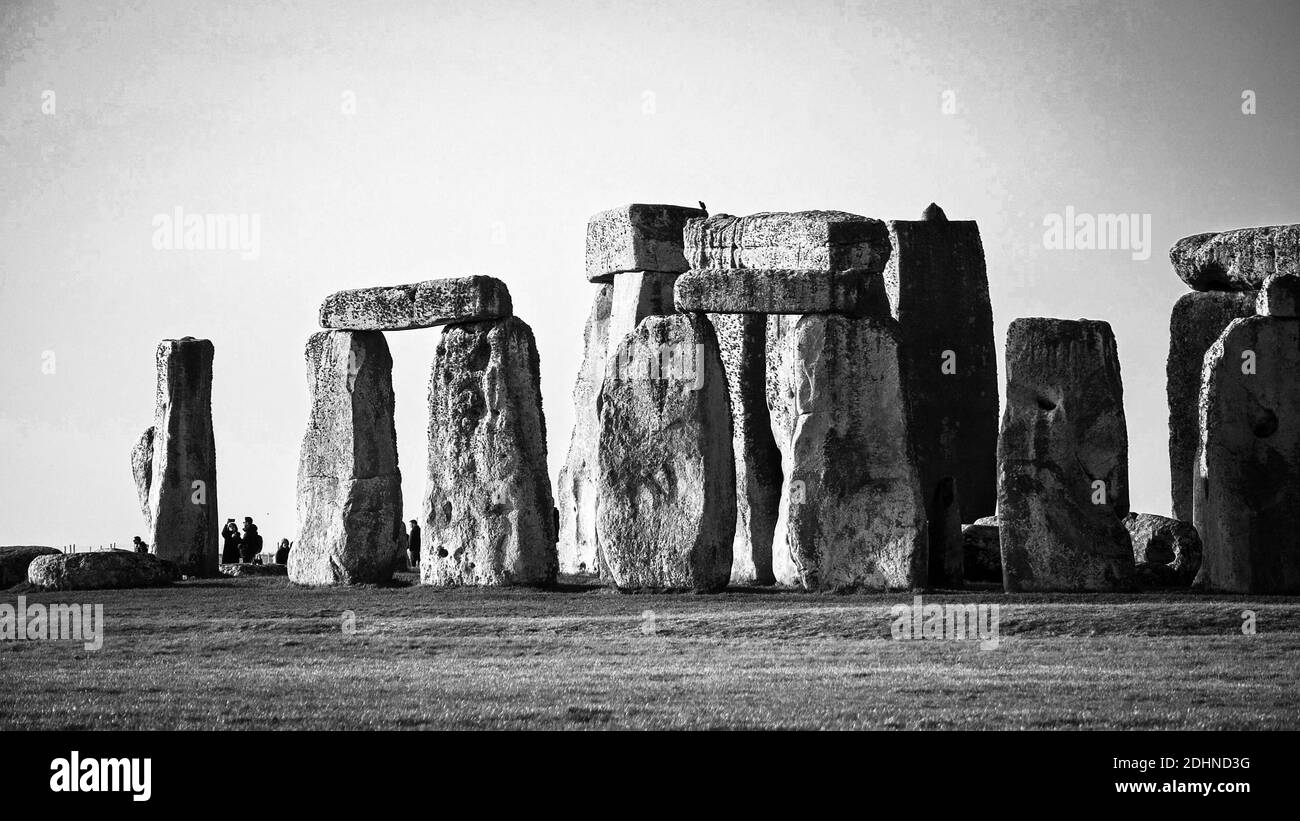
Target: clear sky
<point x="382" y="143"/>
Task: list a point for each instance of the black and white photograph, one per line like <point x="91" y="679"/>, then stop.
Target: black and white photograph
<point x="925" y="370"/>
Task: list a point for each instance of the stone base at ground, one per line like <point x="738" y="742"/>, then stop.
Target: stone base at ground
<point x="14" y="560"/>
<point x="981" y="552"/>
<point x="248" y="569"/>
<point x="1164" y="541"/>
<point x="100" y="570"/>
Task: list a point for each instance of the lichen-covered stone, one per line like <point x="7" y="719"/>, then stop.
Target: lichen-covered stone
<point x="418" y="305"/>
<point x="1164" y="541"/>
<point x="855" y="292"/>
<point x="488" y="510"/>
<point x="142" y="472"/>
<point x="810" y="240"/>
<point x="349" y="484"/>
<point x="636" y="237"/>
<point x="1063" y="460"/>
<point x="1237" y="260"/>
<point x="101" y="570"/>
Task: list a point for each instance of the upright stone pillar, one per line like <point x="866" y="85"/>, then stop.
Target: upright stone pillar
<point x="175" y="461"/>
<point x="939" y="293"/>
<point x="665" y="511"/>
<point x="349" y="485"/>
<point x="488" y="511"/>
<point x="1246" y="503"/>
<point x="1063" y="460"/>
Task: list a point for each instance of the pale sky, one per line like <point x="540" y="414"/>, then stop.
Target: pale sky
<point x="484" y="134"/>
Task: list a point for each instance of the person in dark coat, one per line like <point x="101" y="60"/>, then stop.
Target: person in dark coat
<point x="251" y="543"/>
<point x="230" y="542"/>
<point x="282" y="554"/>
<point x="413" y="545"/>
<point x="140" y="545"/>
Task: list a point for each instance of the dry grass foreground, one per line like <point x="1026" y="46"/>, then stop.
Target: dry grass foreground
<point x="261" y="653"/>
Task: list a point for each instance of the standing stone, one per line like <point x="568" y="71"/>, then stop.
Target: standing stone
<point x="576" y="491"/>
<point x="636" y="237"/>
<point x="742" y="341"/>
<point x="1197" y="320"/>
<point x="183" y="475"/>
<point x="1246" y="505"/>
<point x="938" y="289"/>
<point x="1063" y="460"/>
<point x="142" y="471"/>
<point x="807" y="240"/>
<point x="488" y="511"/>
<point x="1237" y="260"/>
<point x="419" y="305"/>
<point x="851" y="512"/>
<point x="666" y="505"/>
<point x="349" y="485"/>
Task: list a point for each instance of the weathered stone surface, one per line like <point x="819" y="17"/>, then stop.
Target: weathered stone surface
<point x="938" y="288"/>
<point x="1246" y="503"/>
<point x="981" y="552"/>
<point x="249" y="569"/>
<point x="101" y="570"/>
<point x="636" y="237"/>
<point x="666" y="505"/>
<point x="488" y="511"/>
<point x="349" y="484"/>
<point x="1159" y="540"/>
<point x="851" y="511"/>
<point x="1197" y="320"/>
<point x="855" y="292"/>
<point x="425" y="304"/>
<point x="812" y="240"/>
<point x="576" y="489"/>
<point x="637" y="295"/>
<point x="1280" y="296"/>
<point x="1237" y="260"/>
<point x="742" y="342"/>
<point x="1063" y="460"/>
<point x="14" y="560"/>
<point x="142" y="471"/>
<point x="183" y="488"/>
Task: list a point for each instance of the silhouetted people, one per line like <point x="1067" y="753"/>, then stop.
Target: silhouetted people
<point x="282" y="553"/>
<point x="251" y="543"/>
<point x="230" y="542"/>
<point x="413" y="545"/>
<point x="140" y="546"/>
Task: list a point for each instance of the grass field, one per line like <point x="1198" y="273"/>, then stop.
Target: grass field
<point x="261" y="653"/>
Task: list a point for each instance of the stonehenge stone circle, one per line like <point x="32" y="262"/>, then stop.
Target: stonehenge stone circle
<point x="855" y="292"/>
<point x="1063" y="460"/>
<point x="1197" y="320"/>
<point x="742" y="342"/>
<point x="576" y="490"/>
<point x="488" y="512"/>
<point x="1246" y="503"/>
<point x="349" y="485"/>
<point x="851" y="513"/>
<point x="420" y="305"/>
<point x="804" y="240"/>
<point x="636" y="237"/>
<point x="180" y="480"/>
<point x="1237" y="260"/>
<point x="939" y="293"/>
<point x="665" y="508"/>
<point x="1164" y="541"/>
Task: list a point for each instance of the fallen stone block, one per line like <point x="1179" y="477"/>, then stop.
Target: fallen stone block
<point x="14" y="560"/>
<point x="101" y="570"/>
<point x="1163" y="541"/>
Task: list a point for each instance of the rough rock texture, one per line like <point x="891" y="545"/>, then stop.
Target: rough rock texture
<point x="14" y="560"/>
<point x="982" y="552"/>
<point x="183" y="514"/>
<point x="666" y="504"/>
<point x="636" y="238"/>
<point x="1062" y="433"/>
<point x="1164" y="541"/>
<point x="488" y="511"/>
<point x="1197" y="320"/>
<point x="418" y="305"/>
<point x="813" y="240"/>
<point x="248" y="569"/>
<point x="856" y="292"/>
<point x="1246" y="504"/>
<point x="576" y="488"/>
<point x="103" y="570"/>
<point x="1237" y="260"/>
<point x="142" y="471"/>
<point x="742" y="341"/>
<point x="851" y="510"/>
<point x="1280" y="297"/>
<point x="938" y="287"/>
<point x="637" y="295"/>
<point x="349" y="485"/>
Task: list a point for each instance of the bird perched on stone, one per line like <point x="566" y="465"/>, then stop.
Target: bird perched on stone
<point x="703" y="208"/>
